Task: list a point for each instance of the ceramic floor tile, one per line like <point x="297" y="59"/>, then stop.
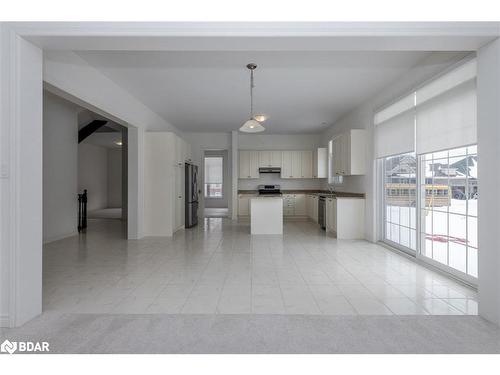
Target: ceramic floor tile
<point x="404" y="306"/>
<point x="235" y="299"/>
<point x="467" y="306"/>
<point x="334" y="305"/>
<point x="218" y="267"/>
<point x="369" y="306"/>
<point x="267" y="299"/>
<point x="171" y="299"/>
<point x="299" y="301"/>
<point x="437" y="306"/>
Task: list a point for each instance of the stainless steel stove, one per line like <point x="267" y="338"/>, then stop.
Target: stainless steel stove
<point x="269" y="190"/>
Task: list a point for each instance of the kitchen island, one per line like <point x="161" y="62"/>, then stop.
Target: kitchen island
<point x="266" y="213"/>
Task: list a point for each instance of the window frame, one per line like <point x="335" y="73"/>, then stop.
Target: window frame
<point x="463" y="276"/>
<point x="383" y="214"/>
<point x="222" y="177"/>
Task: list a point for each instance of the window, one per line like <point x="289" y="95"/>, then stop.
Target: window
<point x="449" y="194"/>
<point x="213" y="176"/>
<point x="400" y="174"/>
<point x="429" y="171"/>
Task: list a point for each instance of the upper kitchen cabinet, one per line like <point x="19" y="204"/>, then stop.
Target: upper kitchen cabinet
<point x="306" y="164"/>
<point x="320" y="163"/>
<point x="349" y="153"/>
<point x="286" y="165"/>
<point x="297" y="164"/>
<point x="270" y="159"/>
<point x="249" y="164"/>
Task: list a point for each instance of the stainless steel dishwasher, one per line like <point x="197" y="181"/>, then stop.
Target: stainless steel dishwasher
<point x="322" y="211"/>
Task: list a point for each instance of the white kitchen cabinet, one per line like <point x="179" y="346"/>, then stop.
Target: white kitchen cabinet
<point x="286" y="166"/>
<point x="349" y="153"/>
<point x="296" y="164"/>
<point x="270" y="159"/>
<point x="300" y="205"/>
<point x="320" y="163"/>
<point x="345" y="217"/>
<point x="288" y="205"/>
<point x="264" y="159"/>
<point x="291" y="164"/>
<point x="309" y="204"/>
<point x="249" y="164"/>
<point x="306" y="164"/>
<point x="331" y="215"/>
<point x="315" y="199"/>
<point x="275" y="158"/>
<point x="244" y="204"/>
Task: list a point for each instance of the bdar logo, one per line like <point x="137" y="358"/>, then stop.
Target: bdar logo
<point x="8" y="347"/>
<point x="24" y="346"/>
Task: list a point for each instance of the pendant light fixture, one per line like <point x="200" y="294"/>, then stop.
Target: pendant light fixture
<point x="252" y="125"/>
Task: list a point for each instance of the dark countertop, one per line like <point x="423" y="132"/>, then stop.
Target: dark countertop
<point x="339" y="194"/>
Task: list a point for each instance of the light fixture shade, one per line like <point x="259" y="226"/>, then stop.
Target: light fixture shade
<point x="252" y="126"/>
<point x="260" y="118"/>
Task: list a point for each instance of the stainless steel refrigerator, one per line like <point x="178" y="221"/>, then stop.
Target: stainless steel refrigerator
<point x="191" y="187"/>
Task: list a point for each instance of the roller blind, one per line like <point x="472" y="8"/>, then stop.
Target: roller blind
<point x="396" y="136"/>
<point x="395" y="128"/>
<point x="395" y="109"/>
<point x="446" y="112"/>
<point x="213" y="170"/>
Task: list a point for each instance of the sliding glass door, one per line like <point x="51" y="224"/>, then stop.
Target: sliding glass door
<point x="400" y="178"/>
<point x="448" y="214"/>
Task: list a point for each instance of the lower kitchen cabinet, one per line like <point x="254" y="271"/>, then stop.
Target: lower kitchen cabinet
<point x="345" y="218"/>
<point x="244" y="205"/>
<point x="294" y="205"/>
<point x="311" y="207"/>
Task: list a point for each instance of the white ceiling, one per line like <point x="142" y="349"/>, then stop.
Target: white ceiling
<point x="302" y="92"/>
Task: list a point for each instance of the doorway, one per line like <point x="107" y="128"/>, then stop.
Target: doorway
<point x="102" y="168"/>
<point x="216" y="183"/>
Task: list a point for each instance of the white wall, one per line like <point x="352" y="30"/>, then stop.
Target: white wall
<point x="159" y="206"/>
<point x="21" y="179"/>
<point x="93" y="174"/>
<point x="114" y="178"/>
<point x="60" y="162"/>
<point x="362" y="118"/>
<point x="488" y="139"/>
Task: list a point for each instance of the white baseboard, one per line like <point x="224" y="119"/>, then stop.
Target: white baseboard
<point x="4" y="321"/>
<point x="57" y="238"/>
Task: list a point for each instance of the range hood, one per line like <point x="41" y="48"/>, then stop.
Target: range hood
<point x="270" y="170"/>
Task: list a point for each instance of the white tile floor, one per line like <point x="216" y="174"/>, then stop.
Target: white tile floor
<point x="218" y="267"/>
